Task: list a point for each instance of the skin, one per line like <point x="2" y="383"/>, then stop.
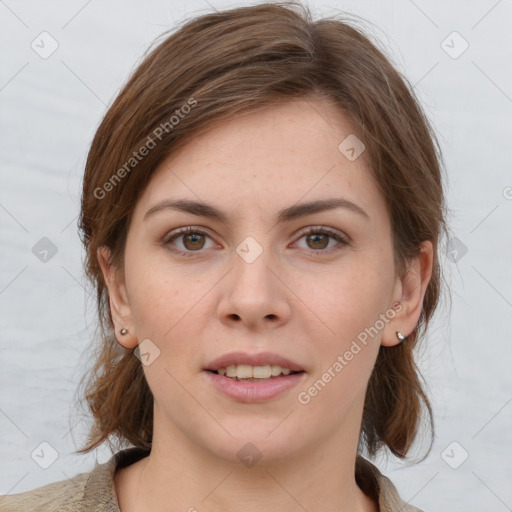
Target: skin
<point x="291" y="300"/>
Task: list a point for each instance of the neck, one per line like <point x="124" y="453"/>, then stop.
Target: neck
<point x="183" y="476"/>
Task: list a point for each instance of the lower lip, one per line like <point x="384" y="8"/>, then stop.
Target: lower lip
<point x="255" y="391"/>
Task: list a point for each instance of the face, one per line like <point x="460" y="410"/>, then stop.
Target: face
<point x="262" y="276"/>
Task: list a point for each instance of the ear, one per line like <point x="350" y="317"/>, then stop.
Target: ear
<point x="119" y="304"/>
<point x="409" y="292"/>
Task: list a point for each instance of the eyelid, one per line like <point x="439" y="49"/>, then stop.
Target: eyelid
<point x="185" y="230"/>
<point x="327" y="230"/>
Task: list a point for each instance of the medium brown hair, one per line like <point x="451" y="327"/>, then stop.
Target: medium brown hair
<point x="221" y="65"/>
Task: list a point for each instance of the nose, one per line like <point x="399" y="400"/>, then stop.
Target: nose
<point x="255" y="294"/>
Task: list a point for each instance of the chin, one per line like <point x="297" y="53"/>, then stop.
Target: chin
<point x="252" y="446"/>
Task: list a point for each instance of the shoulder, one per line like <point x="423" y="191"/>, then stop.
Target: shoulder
<point x="380" y="487"/>
<point x="94" y="490"/>
<point x="65" y="496"/>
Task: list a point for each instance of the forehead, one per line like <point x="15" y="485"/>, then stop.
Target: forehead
<point x="267" y="160"/>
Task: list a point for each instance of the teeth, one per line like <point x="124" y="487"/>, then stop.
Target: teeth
<point x="260" y="372"/>
<point x="276" y="370"/>
<point x="246" y="371"/>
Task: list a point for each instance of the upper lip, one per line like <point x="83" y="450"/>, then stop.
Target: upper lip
<point x="261" y="359"/>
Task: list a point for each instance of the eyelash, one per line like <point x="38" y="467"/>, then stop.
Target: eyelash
<point x="313" y="230"/>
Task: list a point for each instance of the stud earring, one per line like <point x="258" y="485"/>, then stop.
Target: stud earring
<point x="400" y="336"/>
<point x="123" y="331"/>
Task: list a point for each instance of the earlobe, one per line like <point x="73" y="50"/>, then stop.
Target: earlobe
<point x="410" y="292"/>
<point x="118" y="299"/>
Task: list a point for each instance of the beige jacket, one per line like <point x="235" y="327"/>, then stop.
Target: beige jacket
<point x="95" y="491"/>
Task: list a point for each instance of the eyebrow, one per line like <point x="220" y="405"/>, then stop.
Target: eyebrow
<point x="287" y="214"/>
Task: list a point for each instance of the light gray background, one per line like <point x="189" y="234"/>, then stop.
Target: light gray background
<point x="49" y="110"/>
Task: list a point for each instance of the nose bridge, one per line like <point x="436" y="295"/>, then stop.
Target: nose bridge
<point x="253" y="293"/>
<point x="251" y="266"/>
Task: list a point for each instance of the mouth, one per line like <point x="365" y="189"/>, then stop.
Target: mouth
<point x="249" y="373"/>
<point x="258" y="367"/>
<point x="253" y="378"/>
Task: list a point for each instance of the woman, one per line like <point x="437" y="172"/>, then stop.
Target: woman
<point x="261" y="211"/>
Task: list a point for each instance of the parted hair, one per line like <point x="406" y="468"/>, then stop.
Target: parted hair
<point x="215" y="67"/>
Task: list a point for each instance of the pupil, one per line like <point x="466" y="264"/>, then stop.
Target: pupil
<point x="316" y="237"/>
<point x="194" y="238"/>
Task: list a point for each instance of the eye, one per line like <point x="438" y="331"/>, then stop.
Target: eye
<point x="318" y="239"/>
<point x="192" y="240"/>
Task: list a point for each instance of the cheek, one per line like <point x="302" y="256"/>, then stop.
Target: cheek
<point x="348" y="302"/>
<point x="166" y="309"/>
<point x="163" y="297"/>
<point x="350" y="298"/>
